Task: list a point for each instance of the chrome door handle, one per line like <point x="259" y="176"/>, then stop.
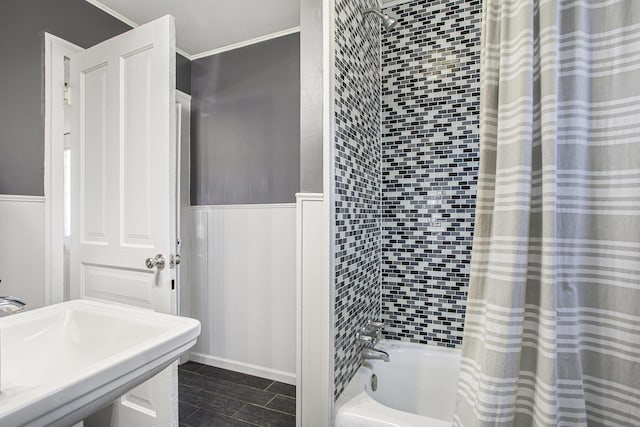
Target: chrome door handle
<point x="157" y="261"/>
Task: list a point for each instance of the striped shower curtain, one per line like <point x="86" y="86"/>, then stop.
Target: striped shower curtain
<point x="552" y="331"/>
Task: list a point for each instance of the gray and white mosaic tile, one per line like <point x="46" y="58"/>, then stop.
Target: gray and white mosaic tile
<point x="430" y="136"/>
<point x="357" y="181"/>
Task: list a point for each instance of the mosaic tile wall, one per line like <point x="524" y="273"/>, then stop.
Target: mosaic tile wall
<point x="430" y="135"/>
<point x="357" y="181"/>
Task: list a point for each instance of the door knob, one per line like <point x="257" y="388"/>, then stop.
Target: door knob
<point x="157" y="261"/>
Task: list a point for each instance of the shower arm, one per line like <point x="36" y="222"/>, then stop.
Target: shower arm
<point x="375" y="12"/>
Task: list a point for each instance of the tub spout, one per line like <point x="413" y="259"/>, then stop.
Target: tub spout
<point x="369" y="353"/>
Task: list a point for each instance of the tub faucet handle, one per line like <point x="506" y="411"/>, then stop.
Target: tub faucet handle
<point x="367" y="340"/>
<point x="373" y="328"/>
<point x="375" y="325"/>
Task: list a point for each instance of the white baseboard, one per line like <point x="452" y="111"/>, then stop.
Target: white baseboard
<point x="245" y="368"/>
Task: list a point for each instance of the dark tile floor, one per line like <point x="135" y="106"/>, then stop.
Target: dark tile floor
<point x="212" y="397"/>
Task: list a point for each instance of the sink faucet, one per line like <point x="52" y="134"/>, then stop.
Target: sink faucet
<point x="10" y="305"/>
<point x="368" y="337"/>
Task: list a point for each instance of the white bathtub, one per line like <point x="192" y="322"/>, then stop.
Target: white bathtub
<point x="417" y="388"/>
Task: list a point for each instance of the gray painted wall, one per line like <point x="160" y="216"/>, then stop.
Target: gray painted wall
<point x="22" y="27"/>
<point x="183" y="74"/>
<point x="245" y="112"/>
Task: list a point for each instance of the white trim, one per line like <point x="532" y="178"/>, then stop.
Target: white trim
<point x="183" y="53"/>
<point x="315" y="242"/>
<point x="245" y="368"/>
<point x="192" y="57"/>
<point x="392" y="3"/>
<point x="14" y="198"/>
<point x="313" y="308"/>
<point x="243" y="206"/>
<point x="299" y="349"/>
<point x="245" y="43"/>
<point x="127" y="21"/>
<point x="183" y="97"/>
<point x="55" y="50"/>
<point x="183" y="150"/>
<point x="310" y="196"/>
<point x="113" y="13"/>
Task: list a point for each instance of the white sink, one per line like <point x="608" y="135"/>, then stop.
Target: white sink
<point x="63" y="362"/>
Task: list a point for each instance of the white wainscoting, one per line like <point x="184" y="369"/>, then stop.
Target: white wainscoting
<point x="242" y="278"/>
<point x="22" y="248"/>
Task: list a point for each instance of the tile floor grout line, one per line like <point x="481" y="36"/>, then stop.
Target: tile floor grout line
<point x="189" y="370"/>
<point x="202" y="366"/>
<point x="271" y="409"/>
<point x="284" y="395"/>
<point x="232" y="382"/>
<point x="195" y="409"/>
<point x="234" y="414"/>
<point x="271" y="400"/>
<point x="230" y="417"/>
<point x="288" y="385"/>
<point x="273" y="382"/>
<point x="187" y="417"/>
<point x="246" y="422"/>
<point x="233" y="417"/>
<point x="244" y="402"/>
<point x="204" y="391"/>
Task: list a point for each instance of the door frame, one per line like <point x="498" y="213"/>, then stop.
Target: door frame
<point x="183" y="182"/>
<point x="55" y="50"/>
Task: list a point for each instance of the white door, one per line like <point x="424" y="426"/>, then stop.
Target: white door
<point x="123" y="190"/>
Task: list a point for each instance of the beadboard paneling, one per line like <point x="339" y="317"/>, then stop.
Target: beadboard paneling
<point x="243" y="287"/>
<point x="22" y="248"/>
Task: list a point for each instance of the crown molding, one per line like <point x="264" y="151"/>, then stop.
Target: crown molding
<point x="113" y="13"/>
<point x="192" y="57"/>
<point x="246" y="43"/>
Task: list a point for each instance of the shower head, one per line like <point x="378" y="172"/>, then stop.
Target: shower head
<point x="388" y="22"/>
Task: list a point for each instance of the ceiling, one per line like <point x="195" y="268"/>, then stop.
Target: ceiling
<point x="204" y="27"/>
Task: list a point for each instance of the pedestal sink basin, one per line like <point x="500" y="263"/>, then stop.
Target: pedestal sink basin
<point x="62" y="362"/>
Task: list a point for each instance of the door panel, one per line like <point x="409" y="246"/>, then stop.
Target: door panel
<point x="94" y="96"/>
<point x="123" y="190"/>
<point x="121" y="286"/>
<point x="136" y="150"/>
